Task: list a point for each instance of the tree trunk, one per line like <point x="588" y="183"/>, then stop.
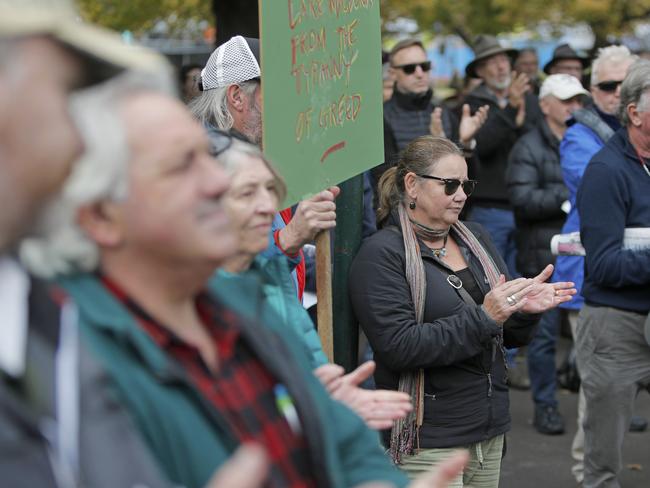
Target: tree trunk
<point x="235" y="17"/>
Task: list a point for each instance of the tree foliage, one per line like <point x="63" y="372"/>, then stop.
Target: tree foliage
<point x="140" y="15"/>
<point x="470" y="17"/>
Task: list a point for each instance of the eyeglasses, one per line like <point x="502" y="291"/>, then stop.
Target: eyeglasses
<point x="452" y="184"/>
<point x="409" y="69"/>
<point x="221" y="140"/>
<point x="608" y="86"/>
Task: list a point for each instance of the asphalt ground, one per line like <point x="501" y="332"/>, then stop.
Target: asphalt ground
<point x="534" y="460"/>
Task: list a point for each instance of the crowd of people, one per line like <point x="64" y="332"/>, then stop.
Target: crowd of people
<point x="154" y="331"/>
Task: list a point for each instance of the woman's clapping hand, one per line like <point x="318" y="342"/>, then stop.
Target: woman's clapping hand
<point x="506" y="298"/>
<point x="544" y="296"/>
<point x="527" y="295"/>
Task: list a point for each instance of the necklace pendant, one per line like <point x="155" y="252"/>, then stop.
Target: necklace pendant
<point x="440" y="253"/>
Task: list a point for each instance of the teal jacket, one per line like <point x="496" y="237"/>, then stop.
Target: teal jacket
<point x="278" y="303"/>
<point x="187" y="436"/>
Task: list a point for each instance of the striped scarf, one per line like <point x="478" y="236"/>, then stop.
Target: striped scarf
<point x="404" y="434"/>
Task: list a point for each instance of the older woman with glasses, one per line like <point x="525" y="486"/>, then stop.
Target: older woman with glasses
<point x="432" y="296"/>
<point x="263" y="288"/>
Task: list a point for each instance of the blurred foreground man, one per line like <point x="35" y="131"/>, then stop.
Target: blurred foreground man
<point x="58" y="425"/>
<point x="612" y="347"/>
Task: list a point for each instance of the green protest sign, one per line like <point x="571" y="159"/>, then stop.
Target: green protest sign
<point x="322" y="90"/>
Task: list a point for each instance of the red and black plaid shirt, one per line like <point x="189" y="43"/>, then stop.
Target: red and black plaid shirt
<point x="242" y="391"/>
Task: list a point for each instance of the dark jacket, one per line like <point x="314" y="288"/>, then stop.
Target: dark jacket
<point x="184" y="431"/>
<point x="614" y="195"/>
<point x="536" y="190"/>
<point x="407" y="117"/>
<point x="110" y="451"/>
<point x="465" y="386"/>
<point x="494" y="141"/>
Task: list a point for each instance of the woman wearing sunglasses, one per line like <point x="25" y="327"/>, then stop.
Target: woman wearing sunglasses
<point x="432" y="296"/>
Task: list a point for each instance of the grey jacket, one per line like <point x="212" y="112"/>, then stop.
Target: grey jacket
<point x="92" y="443"/>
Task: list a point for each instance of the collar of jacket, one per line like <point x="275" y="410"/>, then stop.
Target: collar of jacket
<point x="547" y="134"/>
<point x="621" y="138"/>
<point x="609" y="119"/>
<point x="482" y="92"/>
<point x="412" y="101"/>
<point x="103" y="311"/>
<point x="273" y="353"/>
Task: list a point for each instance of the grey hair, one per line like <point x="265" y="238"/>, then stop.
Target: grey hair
<point x="211" y="106"/>
<point x="59" y="246"/>
<point x="231" y="159"/>
<point x="609" y="55"/>
<point x="635" y="89"/>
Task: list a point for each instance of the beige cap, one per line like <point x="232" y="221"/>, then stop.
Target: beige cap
<point x="103" y="50"/>
<point x="561" y="86"/>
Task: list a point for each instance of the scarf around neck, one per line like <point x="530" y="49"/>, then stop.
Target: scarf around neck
<point x="404" y="434"/>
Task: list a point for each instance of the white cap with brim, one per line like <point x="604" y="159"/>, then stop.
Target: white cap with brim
<point x="562" y="86"/>
<point x="102" y="50"/>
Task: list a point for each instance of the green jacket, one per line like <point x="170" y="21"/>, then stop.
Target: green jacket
<point x="187" y="436"/>
<point x="278" y="302"/>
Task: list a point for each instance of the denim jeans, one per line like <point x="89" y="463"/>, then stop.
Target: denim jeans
<point x="541" y="360"/>
<point x="500" y="224"/>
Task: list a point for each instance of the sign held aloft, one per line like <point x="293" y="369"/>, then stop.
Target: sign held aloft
<point x="322" y="90"/>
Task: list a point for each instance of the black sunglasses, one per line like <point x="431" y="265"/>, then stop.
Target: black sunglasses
<point x="608" y="86"/>
<point x="409" y="69"/>
<point x="452" y="184"/>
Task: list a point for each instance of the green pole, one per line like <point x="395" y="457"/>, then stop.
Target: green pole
<point x="347" y="239"/>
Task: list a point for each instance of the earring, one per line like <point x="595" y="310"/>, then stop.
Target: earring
<point x="412" y="205"/>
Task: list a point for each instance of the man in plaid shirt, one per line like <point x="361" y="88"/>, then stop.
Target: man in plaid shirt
<point x="147" y="231"/>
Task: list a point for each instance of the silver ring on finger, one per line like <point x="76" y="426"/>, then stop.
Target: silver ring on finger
<point x="511" y="300"/>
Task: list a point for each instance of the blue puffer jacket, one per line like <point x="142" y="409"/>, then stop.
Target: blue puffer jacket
<point x="278" y="304"/>
<point x="579" y="145"/>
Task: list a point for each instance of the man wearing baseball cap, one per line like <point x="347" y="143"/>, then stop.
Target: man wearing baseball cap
<point x="59" y="426"/>
<point x="232" y="100"/>
<point x="537" y="193"/>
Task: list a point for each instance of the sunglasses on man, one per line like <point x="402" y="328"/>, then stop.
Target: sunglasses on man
<point x="409" y="69"/>
<point x="452" y="184"/>
<point x="609" y="86"/>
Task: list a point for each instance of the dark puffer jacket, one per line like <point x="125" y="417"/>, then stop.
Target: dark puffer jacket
<point x="406" y="117"/>
<point x="536" y="190"/>
<point x="466" y="397"/>
<point x="493" y="144"/>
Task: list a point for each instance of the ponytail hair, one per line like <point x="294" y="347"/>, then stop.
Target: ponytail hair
<point x="419" y="157"/>
<point x="388" y="194"/>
